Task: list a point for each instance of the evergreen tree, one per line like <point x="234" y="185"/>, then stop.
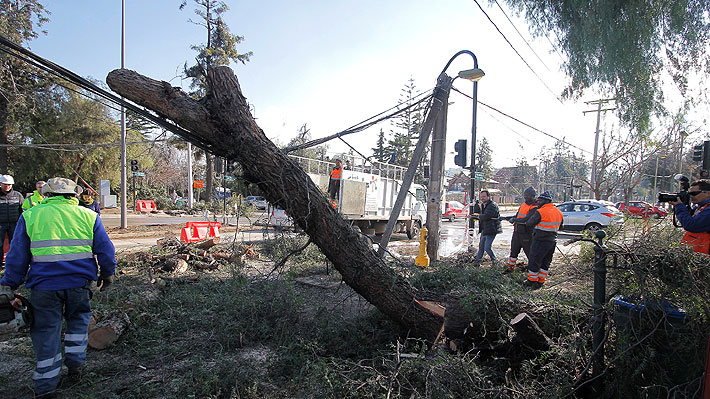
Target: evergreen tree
<point x="219" y="49"/>
<point x="484" y="158"/>
<point x="19" y="82"/>
<point x="624" y="47"/>
<point x="408" y="127"/>
<point x="379" y="151"/>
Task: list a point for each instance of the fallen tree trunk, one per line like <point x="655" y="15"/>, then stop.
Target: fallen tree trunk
<point x="222" y="120"/>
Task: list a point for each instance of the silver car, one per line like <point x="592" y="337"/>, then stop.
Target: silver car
<point x="590" y="215"/>
<point x="256" y="200"/>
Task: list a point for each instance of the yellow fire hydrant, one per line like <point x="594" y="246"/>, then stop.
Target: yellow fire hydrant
<point x="422" y="258"/>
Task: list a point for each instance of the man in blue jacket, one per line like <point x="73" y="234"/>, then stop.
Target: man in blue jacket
<point x="53" y="254"/>
<point x="696" y="223"/>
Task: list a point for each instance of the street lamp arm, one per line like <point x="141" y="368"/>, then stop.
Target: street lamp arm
<point x="475" y="60"/>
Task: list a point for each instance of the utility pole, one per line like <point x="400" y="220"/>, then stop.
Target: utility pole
<point x="189" y="176"/>
<point x="436" y="178"/>
<point x="124" y="178"/>
<point x="599" y="110"/>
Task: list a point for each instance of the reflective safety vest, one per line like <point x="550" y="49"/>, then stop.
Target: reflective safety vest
<point x="32" y="200"/>
<point x="60" y="230"/>
<point x="524" y="209"/>
<point x="551" y="218"/>
<point x="700" y="242"/>
<point x="336" y="173"/>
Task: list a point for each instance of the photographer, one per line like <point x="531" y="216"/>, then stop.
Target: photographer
<point x="696" y="223"/>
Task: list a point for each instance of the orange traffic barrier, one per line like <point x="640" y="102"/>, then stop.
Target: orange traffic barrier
<point x="145" y="206"/>
<point x="198" y="231"/>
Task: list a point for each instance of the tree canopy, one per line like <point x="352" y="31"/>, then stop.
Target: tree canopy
<point x="625" y="46"/>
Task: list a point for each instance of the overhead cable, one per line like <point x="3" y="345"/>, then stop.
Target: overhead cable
<point x="58" y="70"/>
<point x="516" y="52"/>
<point x="520" y="34"/>
<point x="521" y="122"/>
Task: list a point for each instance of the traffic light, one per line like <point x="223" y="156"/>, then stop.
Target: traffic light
<point x="698" y="153"/>
<point x="460" y="158"/>
<point x="706" y="155"/>
<point x="134" y="165"/>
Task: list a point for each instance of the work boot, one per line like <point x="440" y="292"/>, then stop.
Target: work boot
<point x="535" y="285"/>
<point x="508" y="270"/>
<point x="74" y="373"/>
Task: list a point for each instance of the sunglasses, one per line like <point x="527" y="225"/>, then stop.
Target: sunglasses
<point x="694" y="193"/>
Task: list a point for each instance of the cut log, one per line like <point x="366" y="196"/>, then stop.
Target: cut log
<point x="528" y="333"/>
<point x="207" y="244"/>
<point x="222" y="124"/>
<point x="169" y="242"/>
<point x="205" y="265"/>
<point x="107" y="331"/>
<point x="175" y="265"/>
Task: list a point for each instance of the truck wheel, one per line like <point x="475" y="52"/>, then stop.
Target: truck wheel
<point x="452" y="217"/>
<point x="413" y="233"/>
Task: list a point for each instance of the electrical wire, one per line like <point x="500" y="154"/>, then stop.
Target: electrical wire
<point x="520" y="34"/>
<point x="522" y="123"/>
<point x="41" y="63"/>
<point x="516" y="52"/>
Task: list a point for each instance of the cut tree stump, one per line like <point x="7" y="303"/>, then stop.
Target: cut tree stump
<point x="528" y="333"/>
<point x="107" y="331"/>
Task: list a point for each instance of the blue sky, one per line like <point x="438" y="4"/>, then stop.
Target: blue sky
<point x="332" y="64"/>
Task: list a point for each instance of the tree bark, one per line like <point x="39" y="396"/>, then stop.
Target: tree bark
<point x="529" y="333"/>
<point x="107" y="331"/>
<point x="222" y="119"/>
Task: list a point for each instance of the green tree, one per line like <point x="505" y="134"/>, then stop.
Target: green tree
<point x="408" y="126"/>
<point x="19" y="20"/>
<point x="625" y="46"/>
<point x="304" y="136"/>
<point x="219" y="49"/>
<point x="559" y="167"/>
<point x="379" y="152"/>
<point x="484" y="158"/>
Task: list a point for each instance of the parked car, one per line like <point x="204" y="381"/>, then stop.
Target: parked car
<point x="642" y="209"/>
<point x="590" y="215"/>
<point x="256" y="200"/>
<point x="453" y="210"/>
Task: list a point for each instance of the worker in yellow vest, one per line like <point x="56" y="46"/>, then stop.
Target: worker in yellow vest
<point x="55" y="250"/>
<point x="545" y="222"/>
<point x="35" y="198"/>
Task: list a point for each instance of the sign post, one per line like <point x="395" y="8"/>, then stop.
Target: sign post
<point x="198" y="184"/>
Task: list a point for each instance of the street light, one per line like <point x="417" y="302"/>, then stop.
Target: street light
<point x="473" y="75"/>
<point x="655" y="177"/>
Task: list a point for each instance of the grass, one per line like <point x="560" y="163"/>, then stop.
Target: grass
<point x="239" y="334"/>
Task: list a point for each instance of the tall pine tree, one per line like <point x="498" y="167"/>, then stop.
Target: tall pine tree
<point x="220" y="49"/>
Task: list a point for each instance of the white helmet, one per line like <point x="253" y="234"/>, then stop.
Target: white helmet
<point x="7" y="179"/>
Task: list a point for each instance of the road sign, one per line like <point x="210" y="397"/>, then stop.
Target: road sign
<point x="138" y="173"/>
<point x="478" y="175"/>
<point x="198" y="184"/>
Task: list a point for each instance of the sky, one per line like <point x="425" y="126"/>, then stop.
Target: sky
<point x="332" y="64"/>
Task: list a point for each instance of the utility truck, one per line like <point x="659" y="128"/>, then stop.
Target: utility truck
<point x="368" y="192"/>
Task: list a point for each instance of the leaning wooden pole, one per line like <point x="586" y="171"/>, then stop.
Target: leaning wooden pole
<point x="222" y="119"/>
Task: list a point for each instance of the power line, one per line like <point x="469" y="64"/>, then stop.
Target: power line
<point x="523" y="123"/>
<point x="41" y="63"/>
<point x="516" y="52"/>
<point x="521" y="35"/>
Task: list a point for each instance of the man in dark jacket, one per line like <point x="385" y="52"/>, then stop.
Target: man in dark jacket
<point x="10" y="208"/>
<point x="488" y="226"/>
<point x="522" y="235"/>
<point x="87" y="201"/>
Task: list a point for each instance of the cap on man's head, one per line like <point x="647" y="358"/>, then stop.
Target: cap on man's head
<point x="40" y="183"/>
<point x="7" y="179"/>
<point x="61" y="185"/>
<point x="530" y="191"/>
<point x="546" y="195"/>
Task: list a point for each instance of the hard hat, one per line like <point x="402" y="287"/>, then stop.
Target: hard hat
<point x="546" y="195"/>
<point x="61" y="185"/>
<point x="7" y="179"/>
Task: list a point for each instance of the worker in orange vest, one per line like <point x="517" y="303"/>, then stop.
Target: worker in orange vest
<point x="336" y="176"/>
<point x="522" y="235"/>
<point x="545" y="221"/>
<point x="696" y="222"/>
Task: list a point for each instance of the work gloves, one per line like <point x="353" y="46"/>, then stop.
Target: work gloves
<point x="104" y="282"/>
<point x="6" y="294"/>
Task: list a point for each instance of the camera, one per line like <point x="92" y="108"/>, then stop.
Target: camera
<point x="681" y="195"/>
